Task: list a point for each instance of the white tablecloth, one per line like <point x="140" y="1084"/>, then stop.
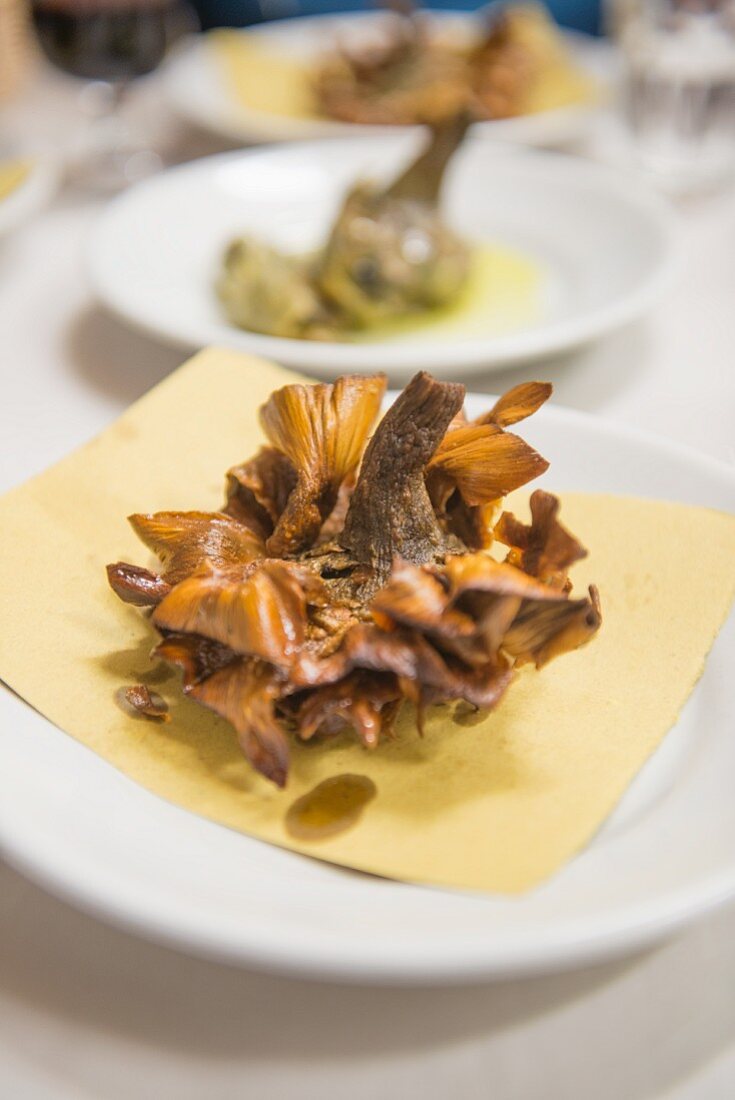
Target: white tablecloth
<point x="90" y="1012"/>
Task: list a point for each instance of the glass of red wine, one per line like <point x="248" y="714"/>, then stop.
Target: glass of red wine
<point x="109" y="43"/>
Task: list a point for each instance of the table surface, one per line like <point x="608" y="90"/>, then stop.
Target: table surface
<point x="88" y="1011"/>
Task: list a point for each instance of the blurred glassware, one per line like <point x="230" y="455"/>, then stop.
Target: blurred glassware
<point x="678" y="90"/>
<point x="109" y="43"/>
<point x="15" y="51"/>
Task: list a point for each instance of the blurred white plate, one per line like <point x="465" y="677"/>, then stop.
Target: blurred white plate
<point x="666" y="855"/>
<point x="30" y="195"/>
<point x="196" y="84"/>
<point x="602" y="247"/>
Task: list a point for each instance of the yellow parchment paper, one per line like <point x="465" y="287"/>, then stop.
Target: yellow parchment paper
<point x="263" y="79"/>
<point x="496" y="806"/>
<point x="12" y="174"/>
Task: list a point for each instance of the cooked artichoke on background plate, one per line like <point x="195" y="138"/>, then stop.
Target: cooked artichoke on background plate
<point x="388" y="255"/>
<point x="518" y="64"/>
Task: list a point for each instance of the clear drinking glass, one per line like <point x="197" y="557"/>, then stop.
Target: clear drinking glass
<point x="679" y="88"/>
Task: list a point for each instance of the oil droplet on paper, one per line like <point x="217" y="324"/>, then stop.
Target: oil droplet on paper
<point x="465" y="714"/>
<point x="333" y="806"/>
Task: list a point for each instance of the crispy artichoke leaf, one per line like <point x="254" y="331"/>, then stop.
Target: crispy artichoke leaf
<point x="492" y="593"/>
<point x="415" y="597"/>
<point x="135" y="585"/>
<point x="197" y="657"/>
<point x="471" y="573"/>
<point x="516" y="404"/>
<point x="261" y="613"/>
<point x="471" y="524"/>
<point x="464" y="607"/>
<point x="437" y="677"/>
<point x="322" y="429"/>
<point x="364" y="701"/>
<point x="184" y="540"/>
<point x="244" y="692"/>
<point x="477" y="463"/>
<point x="258" y="490"/>
<point x="482" y="462"/>
<point x="543" y="630"/>
<point x="543" y="549"/>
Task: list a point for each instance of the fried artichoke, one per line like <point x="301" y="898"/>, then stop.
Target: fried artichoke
<point x="346" y="574"/>
<point x="388" y="255"/>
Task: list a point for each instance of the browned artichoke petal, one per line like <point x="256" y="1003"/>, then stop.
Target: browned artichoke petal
<point x="261" y="614"/>
<point x="484" y="462"/>
<point x="362" y="701"/>
<point x="258" y="490"/>
<point x="184" y="540"/>
<point x="470" y="573"/>
<point x="410" y="656"/>
<point x="545" y="549"/>
<point x="197" y="657"/>
<point x="322" y="429"/>
<point x="490" y="596"/>
<point x="516" y="404"/>
<point x="543" y="629"/>
<point x="135" y="585"/>
<point x="244" y="693"/>
<point x="464" y="606"/>
<point x="413" y="597"/>
<point x="471" y="524"/>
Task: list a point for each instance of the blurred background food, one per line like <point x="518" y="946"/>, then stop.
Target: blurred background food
<point x="513" y="62"/>
<point x="15" y="46"/>
<point x="108" y="45"/>
<point x="406" y="65"/>
<point x="12" y="175"/>
<point x="388" y="255"/>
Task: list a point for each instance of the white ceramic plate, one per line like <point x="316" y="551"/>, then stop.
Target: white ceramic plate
<point x="196" y="86"/>
<point x="665" y="855"/>
<point x="29" y="196"/>
<point x="604" y="248"/>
